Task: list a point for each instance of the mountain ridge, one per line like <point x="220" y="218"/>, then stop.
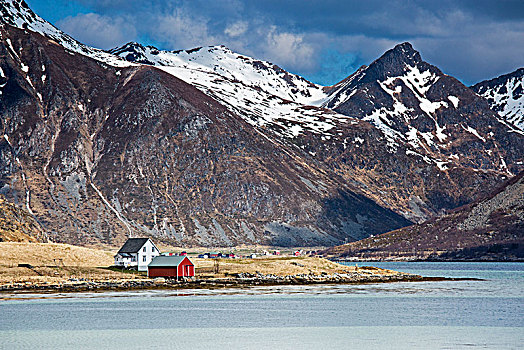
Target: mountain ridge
<point x="291" y="122"/>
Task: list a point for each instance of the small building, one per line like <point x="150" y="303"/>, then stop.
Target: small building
<point x="171" y="266"/>
<point x="136" y="253"/>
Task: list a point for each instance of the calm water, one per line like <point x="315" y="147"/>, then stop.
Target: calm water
<point x="433" y="315"/>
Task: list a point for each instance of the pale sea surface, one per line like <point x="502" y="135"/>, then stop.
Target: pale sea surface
<point x="427" y="315"/>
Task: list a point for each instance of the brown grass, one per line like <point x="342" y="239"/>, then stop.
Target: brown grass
<point x="77" y="262"/>
<point x="280" y="266"/>
<point x="42" y="254"/>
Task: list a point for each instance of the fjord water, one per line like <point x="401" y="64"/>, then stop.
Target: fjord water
<point x="427" y="315"/>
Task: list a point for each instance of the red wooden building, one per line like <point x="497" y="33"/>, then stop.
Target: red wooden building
<point x="171" y="266"/>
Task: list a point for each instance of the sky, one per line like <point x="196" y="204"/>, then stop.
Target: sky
<point x="321" y="40"/>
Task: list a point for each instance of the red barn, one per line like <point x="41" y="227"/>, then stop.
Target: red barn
<point x="171" y="266"/>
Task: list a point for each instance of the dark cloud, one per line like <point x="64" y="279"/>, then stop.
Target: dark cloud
<point x="323" y="40"/>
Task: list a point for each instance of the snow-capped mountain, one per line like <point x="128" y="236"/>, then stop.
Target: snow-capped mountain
<point x="263" y="93"/>
<point x="409" y="100"/>
<point x="273" y="100"/>
<point x="505" y="95"/>
<point x="412" y="101"/>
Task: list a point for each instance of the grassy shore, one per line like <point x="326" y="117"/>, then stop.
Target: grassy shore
<point x="52" y="264"/>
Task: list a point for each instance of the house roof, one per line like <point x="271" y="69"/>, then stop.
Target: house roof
<point x="133" y="245"/>
<point x="167" y="261"/>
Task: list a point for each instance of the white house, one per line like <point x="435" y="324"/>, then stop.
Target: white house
<point x="136" y="253"/>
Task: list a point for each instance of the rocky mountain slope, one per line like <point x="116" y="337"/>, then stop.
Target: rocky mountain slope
<point x="17" y="225"/>
<point x="488" y="229"/>
<point x="505" y="95"/>
<point x="97" y="152"/>
<point x="401" y="173"/>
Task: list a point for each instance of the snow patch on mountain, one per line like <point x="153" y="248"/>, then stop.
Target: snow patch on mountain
<point x="505" y="95"/>
<point x="454" y="100"/>
<point x="474" y="132"/>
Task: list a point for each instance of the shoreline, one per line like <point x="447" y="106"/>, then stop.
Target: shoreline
<point x="216" y="283"/>
<point x="371" y="260"/>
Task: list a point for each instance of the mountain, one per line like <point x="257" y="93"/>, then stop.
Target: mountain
<point x="505" y="95"/>
<point x="413" y="101"/>
<point x="210" y="147"/>
<point x="393" y="171"/>
<point x="99" y="150"/>
<point x="436" y="119"/>
<point x="488" y="229"/>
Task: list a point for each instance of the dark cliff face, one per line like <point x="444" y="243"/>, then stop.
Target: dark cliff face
<point x="97" y="153"/>
<point x="491" y="228"/>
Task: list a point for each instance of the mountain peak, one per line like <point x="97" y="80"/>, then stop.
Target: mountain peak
<point x="404" y="47"/>
<point x="406" y="53"/>
<point x="394" y="60"/>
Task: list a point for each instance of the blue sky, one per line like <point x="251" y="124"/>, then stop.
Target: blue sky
<point x="324" y="40"/>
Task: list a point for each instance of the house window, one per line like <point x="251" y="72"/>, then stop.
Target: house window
<point x="144" y="250"/>
<point x="144" y="258"/>
<point x="153" y="249"/>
